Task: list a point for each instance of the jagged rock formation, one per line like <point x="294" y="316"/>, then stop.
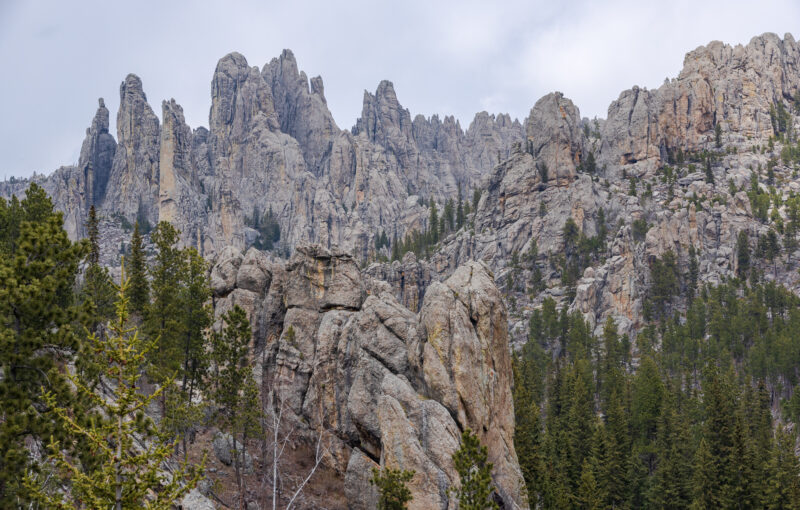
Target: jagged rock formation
<point x="733" y="86"/>
<point x="408" y="279"/>
<point x="381" y="383"/>
<point x="272" y="144"/>
<point x="133" y="184"/>
<point x="555" y="137"/>
<point x="97" y="155"/>
<point x="390" y="364"/>
<point x="739" y="87"/>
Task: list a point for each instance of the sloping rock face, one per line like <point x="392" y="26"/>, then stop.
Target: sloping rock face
<point x="382" y="384"/>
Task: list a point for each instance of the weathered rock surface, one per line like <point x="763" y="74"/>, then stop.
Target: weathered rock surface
<point x="734" y="86"/>
<point x="97" y="155"/>
<point x="408" y="279"/>
<point x="133" y="184"/>
<point x="384" y="385"/>
<point x="555" y="137"/>
<point x="224" y="446"/>
<point x="194" y="500"/>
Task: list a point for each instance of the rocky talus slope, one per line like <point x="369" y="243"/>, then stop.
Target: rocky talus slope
<point x="382" y="385"/>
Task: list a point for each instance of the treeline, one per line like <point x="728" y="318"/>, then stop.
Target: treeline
<point x="683" y="418"/>
<point x="81" y="438"/>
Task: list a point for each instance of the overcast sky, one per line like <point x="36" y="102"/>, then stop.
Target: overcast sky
<point x="454" y="58"/>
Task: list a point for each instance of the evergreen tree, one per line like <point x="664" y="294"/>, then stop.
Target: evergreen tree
<point x="163" y="315"/>
<point x="433" y="223"/>
<point x="449" y="215"/>
<point x="718" y="432"/>
<point x="126" y="471"/>
<point x="476" y="198"/>
<point x="783" y="486"/>
<point x="742" y="254"/>
<point x="709" y="172"/>
<point x="183" y="414"/>
<point x="664" y="273"/>
<point x="671" y="485"/>
<point x="704" y="480"/>
<point x="392" y="491"/>
<point x="234" y="389"/>
<point x="98" y="288"/>
<point x="543" y="173"/>
<point x="475" y="490"/>
<point x="588" y="497"/>
<point x="139" y="287"/>
<point x="693" y="273"/>
<point x="527" y="431"/>
<point x="196" y="317"/>
<point x="38" y="264"/>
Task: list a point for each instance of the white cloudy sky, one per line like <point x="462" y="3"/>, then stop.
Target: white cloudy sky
<point x="445" y="57"/>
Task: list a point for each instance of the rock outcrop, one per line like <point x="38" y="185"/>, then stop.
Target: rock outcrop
<point x="97" y="155"/>
<point x="733" y="86"/>
<point x="382" y="384"/>
<point x="555" y="137"/>
<point x="133" y="184"/>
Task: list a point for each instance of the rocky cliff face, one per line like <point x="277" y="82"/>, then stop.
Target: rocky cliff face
<point x="97" y="155"/>
<point x="390" y="364"/>
<point x="657" y="138"/>
<point x="272" y="144"/>
<point x="734" y="87"/>
<point x="382" y="384"/>
<point x="133" y="183"/>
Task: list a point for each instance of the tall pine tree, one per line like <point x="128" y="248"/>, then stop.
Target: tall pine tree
<point x="38" y="265"/>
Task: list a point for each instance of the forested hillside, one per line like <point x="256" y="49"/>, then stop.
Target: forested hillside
<point x="272" y="312"/>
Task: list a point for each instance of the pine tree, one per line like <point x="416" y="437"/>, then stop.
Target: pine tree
<point x="475" y="490"/>
<point x="670" y="488"/>
<point x="709" y="172"/>
<point x="449" y="215"/>
<point x="742" y="254"/>
<point x="719" y="401"/>
<point x="183" y="414"/>
<point x="460" y="214"/>
<point x="704" y="480"/>
<point x="126" y="471"/>
<point x="163" y="315"/>
<point x="783" y="485"/>
<point x="476" y="198"/>
<point x="693" y="273"/>
<point x="98" y="287"/>
<point x="588" y="497"/>
<point x="196" y="317"/>
<point x="616" y="464"/>
<point x="234" y="389"/>
<point x="392" y="491"/>
<point x="527" y="431"/>
<point x="433" y="223"/>
<point x="139" y="287"/>
<point x="38" y="316"/>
